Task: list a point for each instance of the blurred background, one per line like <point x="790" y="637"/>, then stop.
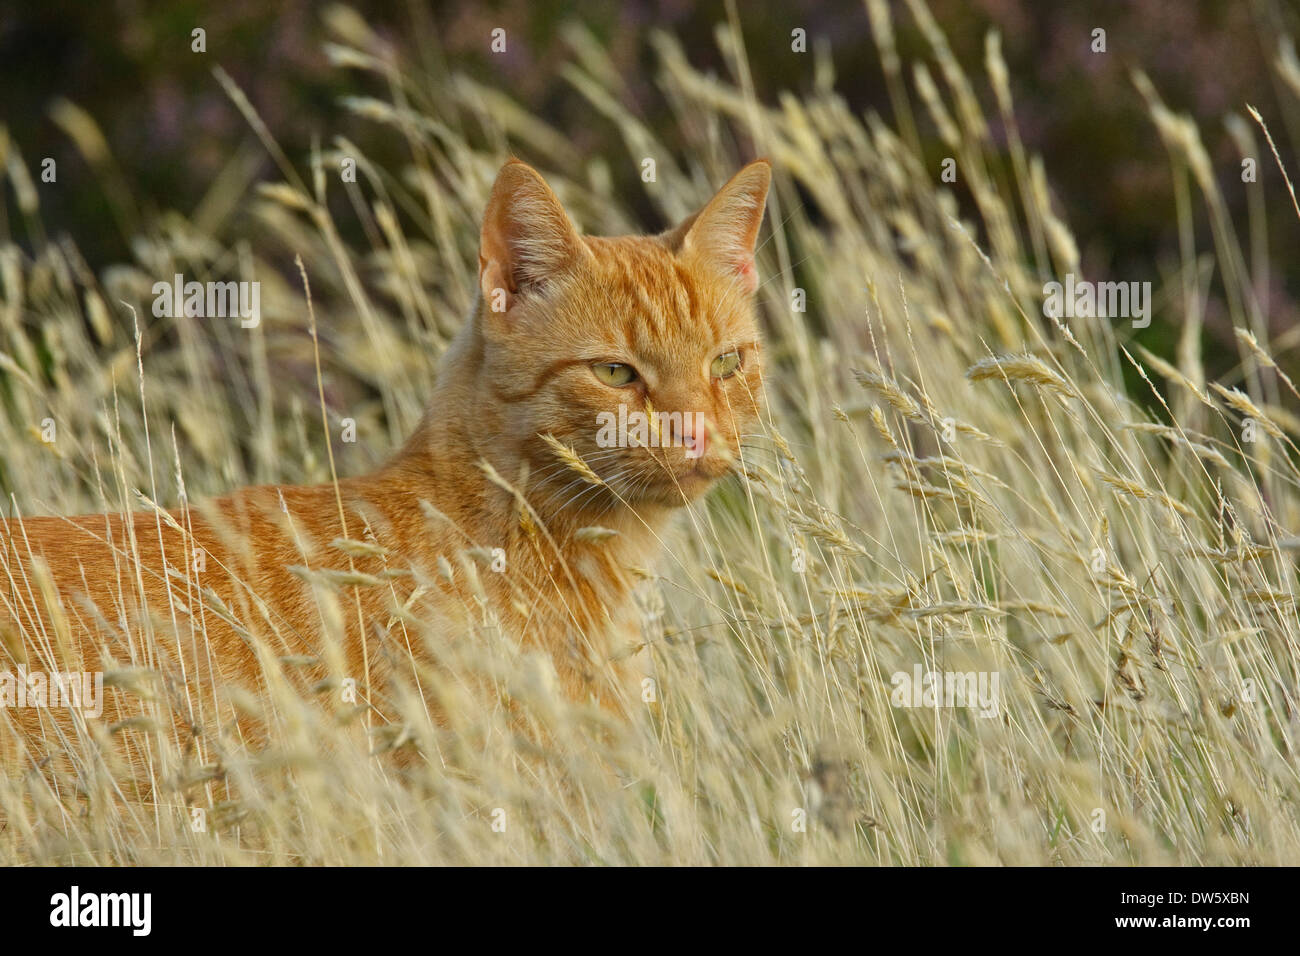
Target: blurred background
<point x="172" y="132"/>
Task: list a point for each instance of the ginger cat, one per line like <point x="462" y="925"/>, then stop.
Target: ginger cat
<point x="566" y="329"/>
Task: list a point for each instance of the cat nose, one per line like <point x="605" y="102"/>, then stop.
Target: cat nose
<point x="694" y="436"/>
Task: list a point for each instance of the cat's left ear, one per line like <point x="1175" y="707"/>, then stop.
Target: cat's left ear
<point x="725" y="231"/>
<point x="527" y="238"/>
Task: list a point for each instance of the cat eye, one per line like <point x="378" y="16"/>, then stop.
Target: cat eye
<point x="725" y="365"/>
<point x="614" y="374"/>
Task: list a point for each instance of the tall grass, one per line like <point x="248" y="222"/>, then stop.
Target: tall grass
<point x="943" y="478"/>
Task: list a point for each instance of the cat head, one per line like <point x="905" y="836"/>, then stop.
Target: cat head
<point x="639" y="352"/>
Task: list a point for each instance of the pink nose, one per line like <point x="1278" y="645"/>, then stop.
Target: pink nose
<point x="695" y="434"/>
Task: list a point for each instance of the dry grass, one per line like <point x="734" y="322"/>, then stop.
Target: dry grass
<point x="964" y="485"/>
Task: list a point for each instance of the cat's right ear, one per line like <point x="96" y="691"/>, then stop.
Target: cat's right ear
<point x="527" y="237"/>
<point x="723" y="234"/>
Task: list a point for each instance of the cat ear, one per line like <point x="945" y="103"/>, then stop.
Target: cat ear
<point x="527" y="236"/>
<point x="725" y="231"/>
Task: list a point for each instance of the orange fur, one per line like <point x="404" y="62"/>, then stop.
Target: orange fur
<point x="666" y="305"/>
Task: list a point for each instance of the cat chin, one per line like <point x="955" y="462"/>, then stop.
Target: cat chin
<point x="688" y="488"/>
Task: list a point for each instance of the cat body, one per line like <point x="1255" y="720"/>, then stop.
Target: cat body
<point x="501" y="516"/>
